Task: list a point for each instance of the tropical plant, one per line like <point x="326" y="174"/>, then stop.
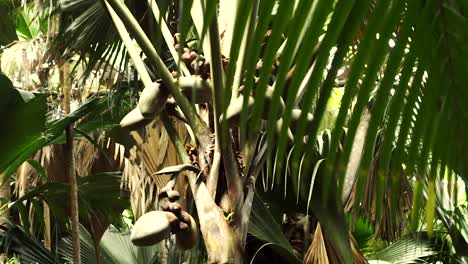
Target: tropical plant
<point x="253" y="80"/>
<point x="235" y="85"/>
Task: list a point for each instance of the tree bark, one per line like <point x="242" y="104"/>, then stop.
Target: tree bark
<point x="5" y="197"/>
<point x="73" y="196"/>
<point x="47" y="227"/>
<point x="70" y="170"/>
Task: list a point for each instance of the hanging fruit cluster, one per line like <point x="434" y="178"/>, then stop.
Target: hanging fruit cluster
<point x="155" y="226"/>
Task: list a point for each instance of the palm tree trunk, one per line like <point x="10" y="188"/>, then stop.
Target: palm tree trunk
<point x="5" y="196"/>
<point x="47" y="227"/>
<point x="66" y="86"/>
<point x="73" y="196"/>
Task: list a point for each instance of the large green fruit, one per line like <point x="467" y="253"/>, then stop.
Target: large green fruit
<point x="151" y="228"/>
<point x="234" y="111"/>
<point x="296" y="114"/>
<point x="134" y="119"/>
<point x="152" y="100"/>
<point x="268" y="104"/>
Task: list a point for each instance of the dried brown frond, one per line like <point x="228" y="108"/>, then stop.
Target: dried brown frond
<point x="358" y="257"/>
<point x="51" y="158"/>
<point x="317" y="252"/>
<point x="322" y="251"/>
<point x="152" y="152"/>
<point x="85" y="155"/>
<point x="88" y="160"/>
<point x="23" y="63"/>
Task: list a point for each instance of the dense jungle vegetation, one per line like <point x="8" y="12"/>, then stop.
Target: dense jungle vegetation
<point x="233" y="131"/>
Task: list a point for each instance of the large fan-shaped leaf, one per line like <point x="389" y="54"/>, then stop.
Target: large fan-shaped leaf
<point x="115" y="248"/>
<point x="404" y="251"/>
<point x="14" y="239"/>
<point x="265" y="227"/>
<point x="24" y="120"/>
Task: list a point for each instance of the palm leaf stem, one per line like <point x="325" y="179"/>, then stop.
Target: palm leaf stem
<point x="203" y="199"/>
<point x="217" y="77"/>
<point x="167" y="37"/>
<point x="253" y="172"/>
<point x="126" y="39"/>
<point x="70" y="170"/>
<point x="201" y="131"/>
<point x="223" y="141"/>
<point x="210" y="216"/>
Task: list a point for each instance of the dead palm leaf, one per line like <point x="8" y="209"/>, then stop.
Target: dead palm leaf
<point x="321" y="251"/>
<point x="317" y="252"/>
<point x="23" y="63"/>
<point x="153" y="151"/>
<point x="89" y="159"/>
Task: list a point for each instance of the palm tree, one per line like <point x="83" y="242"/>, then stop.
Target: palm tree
<point x="253" y="90"/>
<point x="400" y="19"/>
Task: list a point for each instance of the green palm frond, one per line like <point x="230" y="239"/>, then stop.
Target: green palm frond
<point x="404" y="251"/>
<point x="406" y="66"/>
<point x="26" y="112"/>
<point x="115" y="248"/>
<point x="454" y="218"/>
<point x="31" y="134"/>
<point x="97" y="194"/>
<point x="400" y="84"/>
<point x="266" y="228"/>
<point x="14" y="239"/>
<point x="84" y="31"/>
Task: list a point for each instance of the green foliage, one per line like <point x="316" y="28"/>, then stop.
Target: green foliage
<point x="266" y="228"/>
<point x="31" y="139"/>
<point x="362" y="231"/>
<point x="24" y="122"/>
<point x="115" y="248"/>
<point x="30" y="23"/>
<point x="413" y="89"/>
<point x="27" y="130"/>
<point x="98" y="194"/>
<point x="456" y="223"/>
<point x="404" y="251"/>
<point x="14" y="239"/>
<point x="7" y="24"/>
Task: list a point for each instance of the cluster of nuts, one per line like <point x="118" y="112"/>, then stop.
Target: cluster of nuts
<point x="155" y="226"/>
<point x="192" y="152"/>
<point x="196" y="62"/>
<point x="198" y="89"/>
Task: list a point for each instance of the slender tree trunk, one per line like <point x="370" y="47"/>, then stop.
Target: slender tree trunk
<point x="47" y="227"/>
<point x="5" y="197"/>
<point x="70" y="171"/>
<point x="162" y="252"/>
<point x="73" y="195"/>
